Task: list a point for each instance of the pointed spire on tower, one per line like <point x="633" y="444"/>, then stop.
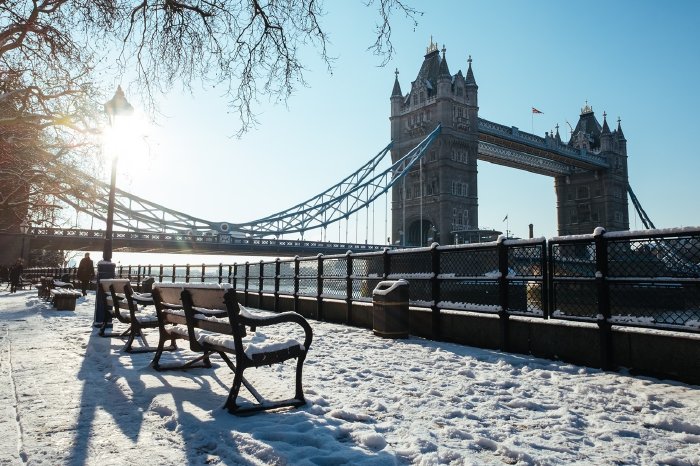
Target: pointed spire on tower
<point x="444" y="71"/>
<point x="470" y="74"/>
<point x="606" y="128"/>
<point x="556" y="136"/>
<point x="396" y="92"/>
<point x="620" y="135"/>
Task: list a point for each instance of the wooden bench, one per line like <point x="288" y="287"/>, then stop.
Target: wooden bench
<point x="44" y="288"/>
<point x="122" y="303"/>
<point x="47" y="285"/>
<point x="64" y="299"/>
<point x="210" y="318"/>
<point x="24" y="282"/>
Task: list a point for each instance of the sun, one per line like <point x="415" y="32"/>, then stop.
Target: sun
<point x="130" y="139"/>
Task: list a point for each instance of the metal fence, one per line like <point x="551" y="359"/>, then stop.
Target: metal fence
<point x="642" y="279"/>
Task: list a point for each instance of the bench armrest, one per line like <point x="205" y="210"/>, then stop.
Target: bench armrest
<point x="246" y="318"/>
<point x="142" y="298"/>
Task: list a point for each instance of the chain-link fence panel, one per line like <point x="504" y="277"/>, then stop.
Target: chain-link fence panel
<point x="654" y="257"/>
<point x="410" y="264"/>
<point x="362" y="288"/>
<point x="472" y="295"/>
<point x="335" y="288"/>
<point x="469" y="262"/>
<point x="286" y="286"/>
<point x="573" y="259"/>
<point x="656" y="304"/>
<point x="574" y="299"/>
<point x="287" y="268"/>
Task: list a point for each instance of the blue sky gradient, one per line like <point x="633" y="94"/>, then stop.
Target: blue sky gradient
<point x="636" y="60"/>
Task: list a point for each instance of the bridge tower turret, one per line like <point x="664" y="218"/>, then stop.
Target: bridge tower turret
<point x="588" y="199"/>
<point x="437" y="201"/>
<point x="396" y="103"/>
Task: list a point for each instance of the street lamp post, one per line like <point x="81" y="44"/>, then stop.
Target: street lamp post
<point x="116" y="107"/>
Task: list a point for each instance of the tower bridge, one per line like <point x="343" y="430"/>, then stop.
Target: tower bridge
<point x="439" y="198"/>
<point x="437" y="137"/>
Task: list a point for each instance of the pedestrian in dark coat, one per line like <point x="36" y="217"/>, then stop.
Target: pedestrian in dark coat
<point x="86" y="272"/>
<point x="16" y="275"/>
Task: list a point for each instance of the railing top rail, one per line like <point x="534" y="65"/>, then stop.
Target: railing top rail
<point x="634" y="234"/>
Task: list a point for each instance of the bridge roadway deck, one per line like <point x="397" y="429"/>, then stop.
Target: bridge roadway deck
<point x="93" y="240"/>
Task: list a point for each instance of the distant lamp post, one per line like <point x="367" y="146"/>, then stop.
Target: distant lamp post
<point x="117" y="107"/>
<point x="23" y="228"/>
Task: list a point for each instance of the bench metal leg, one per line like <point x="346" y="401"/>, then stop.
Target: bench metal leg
<point x="136" y="332"/>
<point x="262" y="403"/>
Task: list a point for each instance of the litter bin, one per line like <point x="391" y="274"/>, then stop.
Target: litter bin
<point x="390" y="309"/>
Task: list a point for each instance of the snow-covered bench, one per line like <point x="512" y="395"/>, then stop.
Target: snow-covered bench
<point x="127" y="306"/>
<point x="47" y="284"/>
<point x="211" y="319"/>
<point x="63" y="299"/>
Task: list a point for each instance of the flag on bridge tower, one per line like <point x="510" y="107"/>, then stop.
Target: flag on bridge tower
<point x="505" y="218"/>
<point x="532" y="118"/>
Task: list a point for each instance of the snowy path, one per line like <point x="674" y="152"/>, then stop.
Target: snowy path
<point x="70" y="397"/>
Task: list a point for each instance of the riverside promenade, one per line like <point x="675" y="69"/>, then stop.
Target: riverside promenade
<point x="68" y="396"/>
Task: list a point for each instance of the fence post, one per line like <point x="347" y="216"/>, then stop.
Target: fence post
<point x="173" y="273"/>
<point x="277" y="284"/>
<point x="230" y="276"/>
<point x="348" y="288"/>
<point x="221" y="272"/>
<point x="261" y="284"/>
<point x="296" y="284"/>
<point x="203" y="272"/>
<point x="319" y="288"/>
<point x="503" y="316"/>
<point x="187" y="273"/>
<point x="545" y="269"/>
<point x="603" y="318"/>
<point x="435" y="291"/>
<point x="387" y="264"/>
<point x="246" y="281"/>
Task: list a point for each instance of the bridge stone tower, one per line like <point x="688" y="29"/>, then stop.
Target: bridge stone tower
<point x="437" y="200"/>
<point x="588" y="199"/>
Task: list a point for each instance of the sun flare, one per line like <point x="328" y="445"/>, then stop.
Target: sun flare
<point x="130" y="139"/>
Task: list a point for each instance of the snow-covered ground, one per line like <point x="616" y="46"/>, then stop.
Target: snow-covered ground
<point x="68" y="396"/>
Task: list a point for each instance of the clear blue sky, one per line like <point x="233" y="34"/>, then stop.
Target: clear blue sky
<point x="636" y="60"/>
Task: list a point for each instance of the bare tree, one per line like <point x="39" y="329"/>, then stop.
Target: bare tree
<point x="50" y="51"/>
<point x="249" y="47"/>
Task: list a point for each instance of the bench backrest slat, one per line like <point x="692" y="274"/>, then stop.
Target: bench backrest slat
<point x="119" y="284"/>
<point x="206" y="295"/>
<point x="170" y="295"/>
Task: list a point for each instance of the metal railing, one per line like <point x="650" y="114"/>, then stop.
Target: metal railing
<point x="637" y="279"/>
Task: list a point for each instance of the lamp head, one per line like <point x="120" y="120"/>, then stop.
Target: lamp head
<point x="118" y="105"/>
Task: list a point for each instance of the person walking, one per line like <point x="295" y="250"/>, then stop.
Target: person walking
<point x="86" y="272"/>
<point x="16" y="275"/>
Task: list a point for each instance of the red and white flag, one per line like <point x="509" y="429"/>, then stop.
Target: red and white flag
<point x="534" y="110"/>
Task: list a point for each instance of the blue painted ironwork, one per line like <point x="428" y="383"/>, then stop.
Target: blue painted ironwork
<point x="358" y="190"/>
